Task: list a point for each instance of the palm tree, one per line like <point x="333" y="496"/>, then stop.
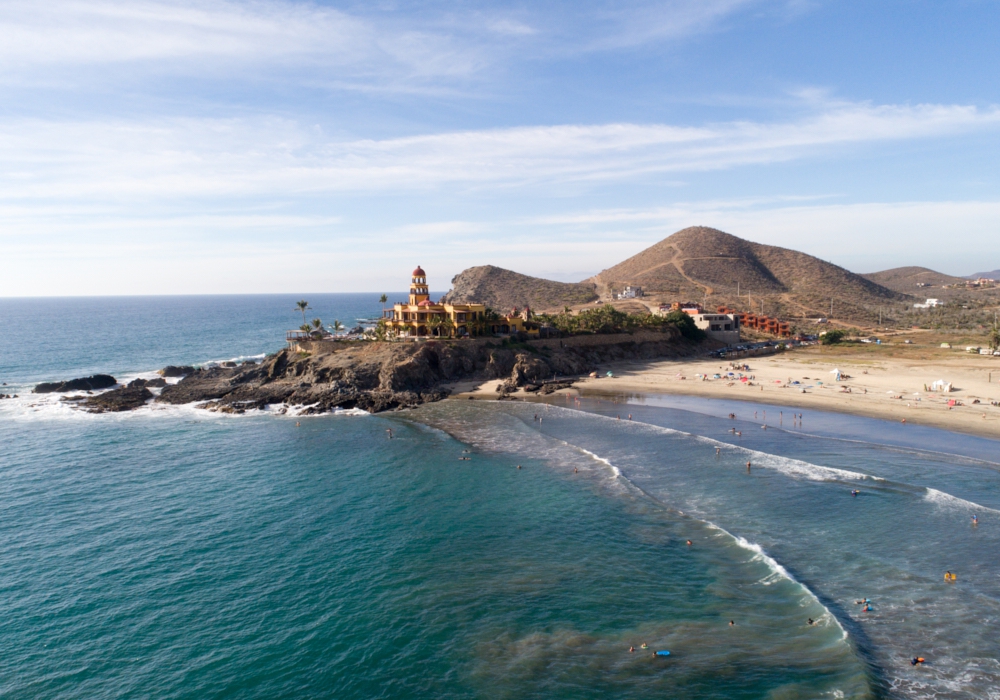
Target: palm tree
<point x="448" y="326"/>
<point x="337" y="326"/>
<point x="317" y="324"/>
<point x="381" y="300"/>
<point x="303" y="306"/>
<point x="434" y="324"/>
<point x="993" y="337"/>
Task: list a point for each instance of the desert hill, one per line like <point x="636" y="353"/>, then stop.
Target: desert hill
<point x="992" y="275"/>
<point x="503" y="290"/>
<point x="906" y="279"/>
<point x="705" y="264"/>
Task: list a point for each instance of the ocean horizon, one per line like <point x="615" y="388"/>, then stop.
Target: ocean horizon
<point x="488" y="549"/>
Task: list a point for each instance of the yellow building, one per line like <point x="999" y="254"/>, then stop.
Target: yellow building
<point x="421" y="317"/>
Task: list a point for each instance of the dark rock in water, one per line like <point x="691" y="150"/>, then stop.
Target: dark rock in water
<point x="126" y="398"/>
<point x="176" y="371"/>
<point x="227" y="364"/>
<point x="248" y="363"/>
<point x="139" y="383"/>
<point x="92" y="383"/>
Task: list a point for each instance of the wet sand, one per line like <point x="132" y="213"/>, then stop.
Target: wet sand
<point x="891" y="388"/>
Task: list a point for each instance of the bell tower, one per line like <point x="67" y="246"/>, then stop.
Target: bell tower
<point x="418" y="286"/>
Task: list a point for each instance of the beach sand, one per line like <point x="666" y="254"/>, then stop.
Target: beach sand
<point x="883" y="383"/>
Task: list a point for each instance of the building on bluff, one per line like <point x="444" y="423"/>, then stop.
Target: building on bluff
<point x="421" y="317"/>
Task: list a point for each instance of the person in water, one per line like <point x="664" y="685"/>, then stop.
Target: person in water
<point x="644" y="646"/>
<point x="631" y="649"/>
<point x="975" y="519"/>
<point x="689" y="543"/>
<point x="812" y="621"/>
<point x="916" y="660"/>
<point x="732" y="624"/>
<point x="854" y="493"/>
<point x="748" y="466"/>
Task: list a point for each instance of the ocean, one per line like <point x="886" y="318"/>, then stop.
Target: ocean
<point x="175" y="553"/>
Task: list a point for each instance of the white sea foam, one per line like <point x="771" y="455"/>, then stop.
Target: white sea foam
<point x="946" y="500"/>
<point x="615" y="470"/>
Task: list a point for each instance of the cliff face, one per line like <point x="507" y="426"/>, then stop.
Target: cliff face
<point x="503" y="289"/>
<point x="382" y="376"/>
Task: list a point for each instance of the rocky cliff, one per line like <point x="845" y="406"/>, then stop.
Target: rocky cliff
<point x="383" y="376"/>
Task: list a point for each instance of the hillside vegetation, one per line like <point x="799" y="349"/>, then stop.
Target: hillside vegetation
<point x="906" y="279"/>
<point x="503" y="289"/>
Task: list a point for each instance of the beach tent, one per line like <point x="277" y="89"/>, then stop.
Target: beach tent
<point x="941" y="385"/>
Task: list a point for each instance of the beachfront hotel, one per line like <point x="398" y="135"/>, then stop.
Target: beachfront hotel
<point x="421" y="317"/>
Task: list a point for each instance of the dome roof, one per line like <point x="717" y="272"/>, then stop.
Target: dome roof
<point x="419" y="272"/>
<point x="426" y="302"/>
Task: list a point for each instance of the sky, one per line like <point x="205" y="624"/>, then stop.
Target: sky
<point x="281" y="146"/>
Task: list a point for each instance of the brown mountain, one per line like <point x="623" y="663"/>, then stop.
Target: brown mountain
<point x="503" y="290"/>
<point x="703" y="265"/>
<point x="906" y="279"/>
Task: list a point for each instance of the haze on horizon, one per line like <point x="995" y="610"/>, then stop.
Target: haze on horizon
<point x="177" y="147"/>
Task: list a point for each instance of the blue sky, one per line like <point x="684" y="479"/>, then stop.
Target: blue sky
<point x="164" y="147"/>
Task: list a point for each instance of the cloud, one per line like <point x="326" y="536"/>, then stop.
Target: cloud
<point x="212" y="37"/>
<point x="276" y="158"/>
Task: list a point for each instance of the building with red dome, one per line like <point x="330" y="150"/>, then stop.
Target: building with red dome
<point x="419" y="317"/>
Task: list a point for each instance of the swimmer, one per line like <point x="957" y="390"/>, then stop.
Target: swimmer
<point x="630" y="416"/>
<point x="689" y="543"/>
<point x="631" y="649"/>
<point x="916" y="660"/>
<point x="718" y="450"/>
<point x="854" y="492"/>
<point x="575" y="470"/>
<point x="732" y="624"/>
<point x="644" y="646"/>
<point x="748" y="466"/>
<point x="297" y="424"/>
<point x="518" y="466"/>
<point x="812" y="621"/>
<point x="867" y="608"/>
<point x="975" y="519"/>
<point x="739" y="433"/>
<point x="388" y="430"/>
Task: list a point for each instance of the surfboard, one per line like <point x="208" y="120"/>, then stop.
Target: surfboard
<point x="663" y="653"/>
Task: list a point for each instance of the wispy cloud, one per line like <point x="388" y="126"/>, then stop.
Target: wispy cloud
<point x="192" y="158"/>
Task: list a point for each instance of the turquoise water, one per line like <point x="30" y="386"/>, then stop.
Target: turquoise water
<point x="174" y="553"/>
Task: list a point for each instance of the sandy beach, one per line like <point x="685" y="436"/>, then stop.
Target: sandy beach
<point x="879" y="383"/>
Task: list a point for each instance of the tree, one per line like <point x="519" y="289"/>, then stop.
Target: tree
<point x="832" y="337"/>
<point x="685" y="324"/>
<point x="993" y="336"/>
<point x="448" y="326"/>
<point x="305" y="327"/>
<point x="317" y="324"/>
<point x="434" y="324"/>
<point x="337" y="326"/>
<point x="303" y="306"/>
<point x="382" y="300"/>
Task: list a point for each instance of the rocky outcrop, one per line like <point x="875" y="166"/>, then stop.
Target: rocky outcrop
<point x="176" y="371"/>
<point x="126" y="398"/>
<point x="325" y="375"/>
<point x="92" y="383"/>
<point x="159" y="382"/>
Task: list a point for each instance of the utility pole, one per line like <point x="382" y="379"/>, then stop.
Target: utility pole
<point x="831" y="307"/>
